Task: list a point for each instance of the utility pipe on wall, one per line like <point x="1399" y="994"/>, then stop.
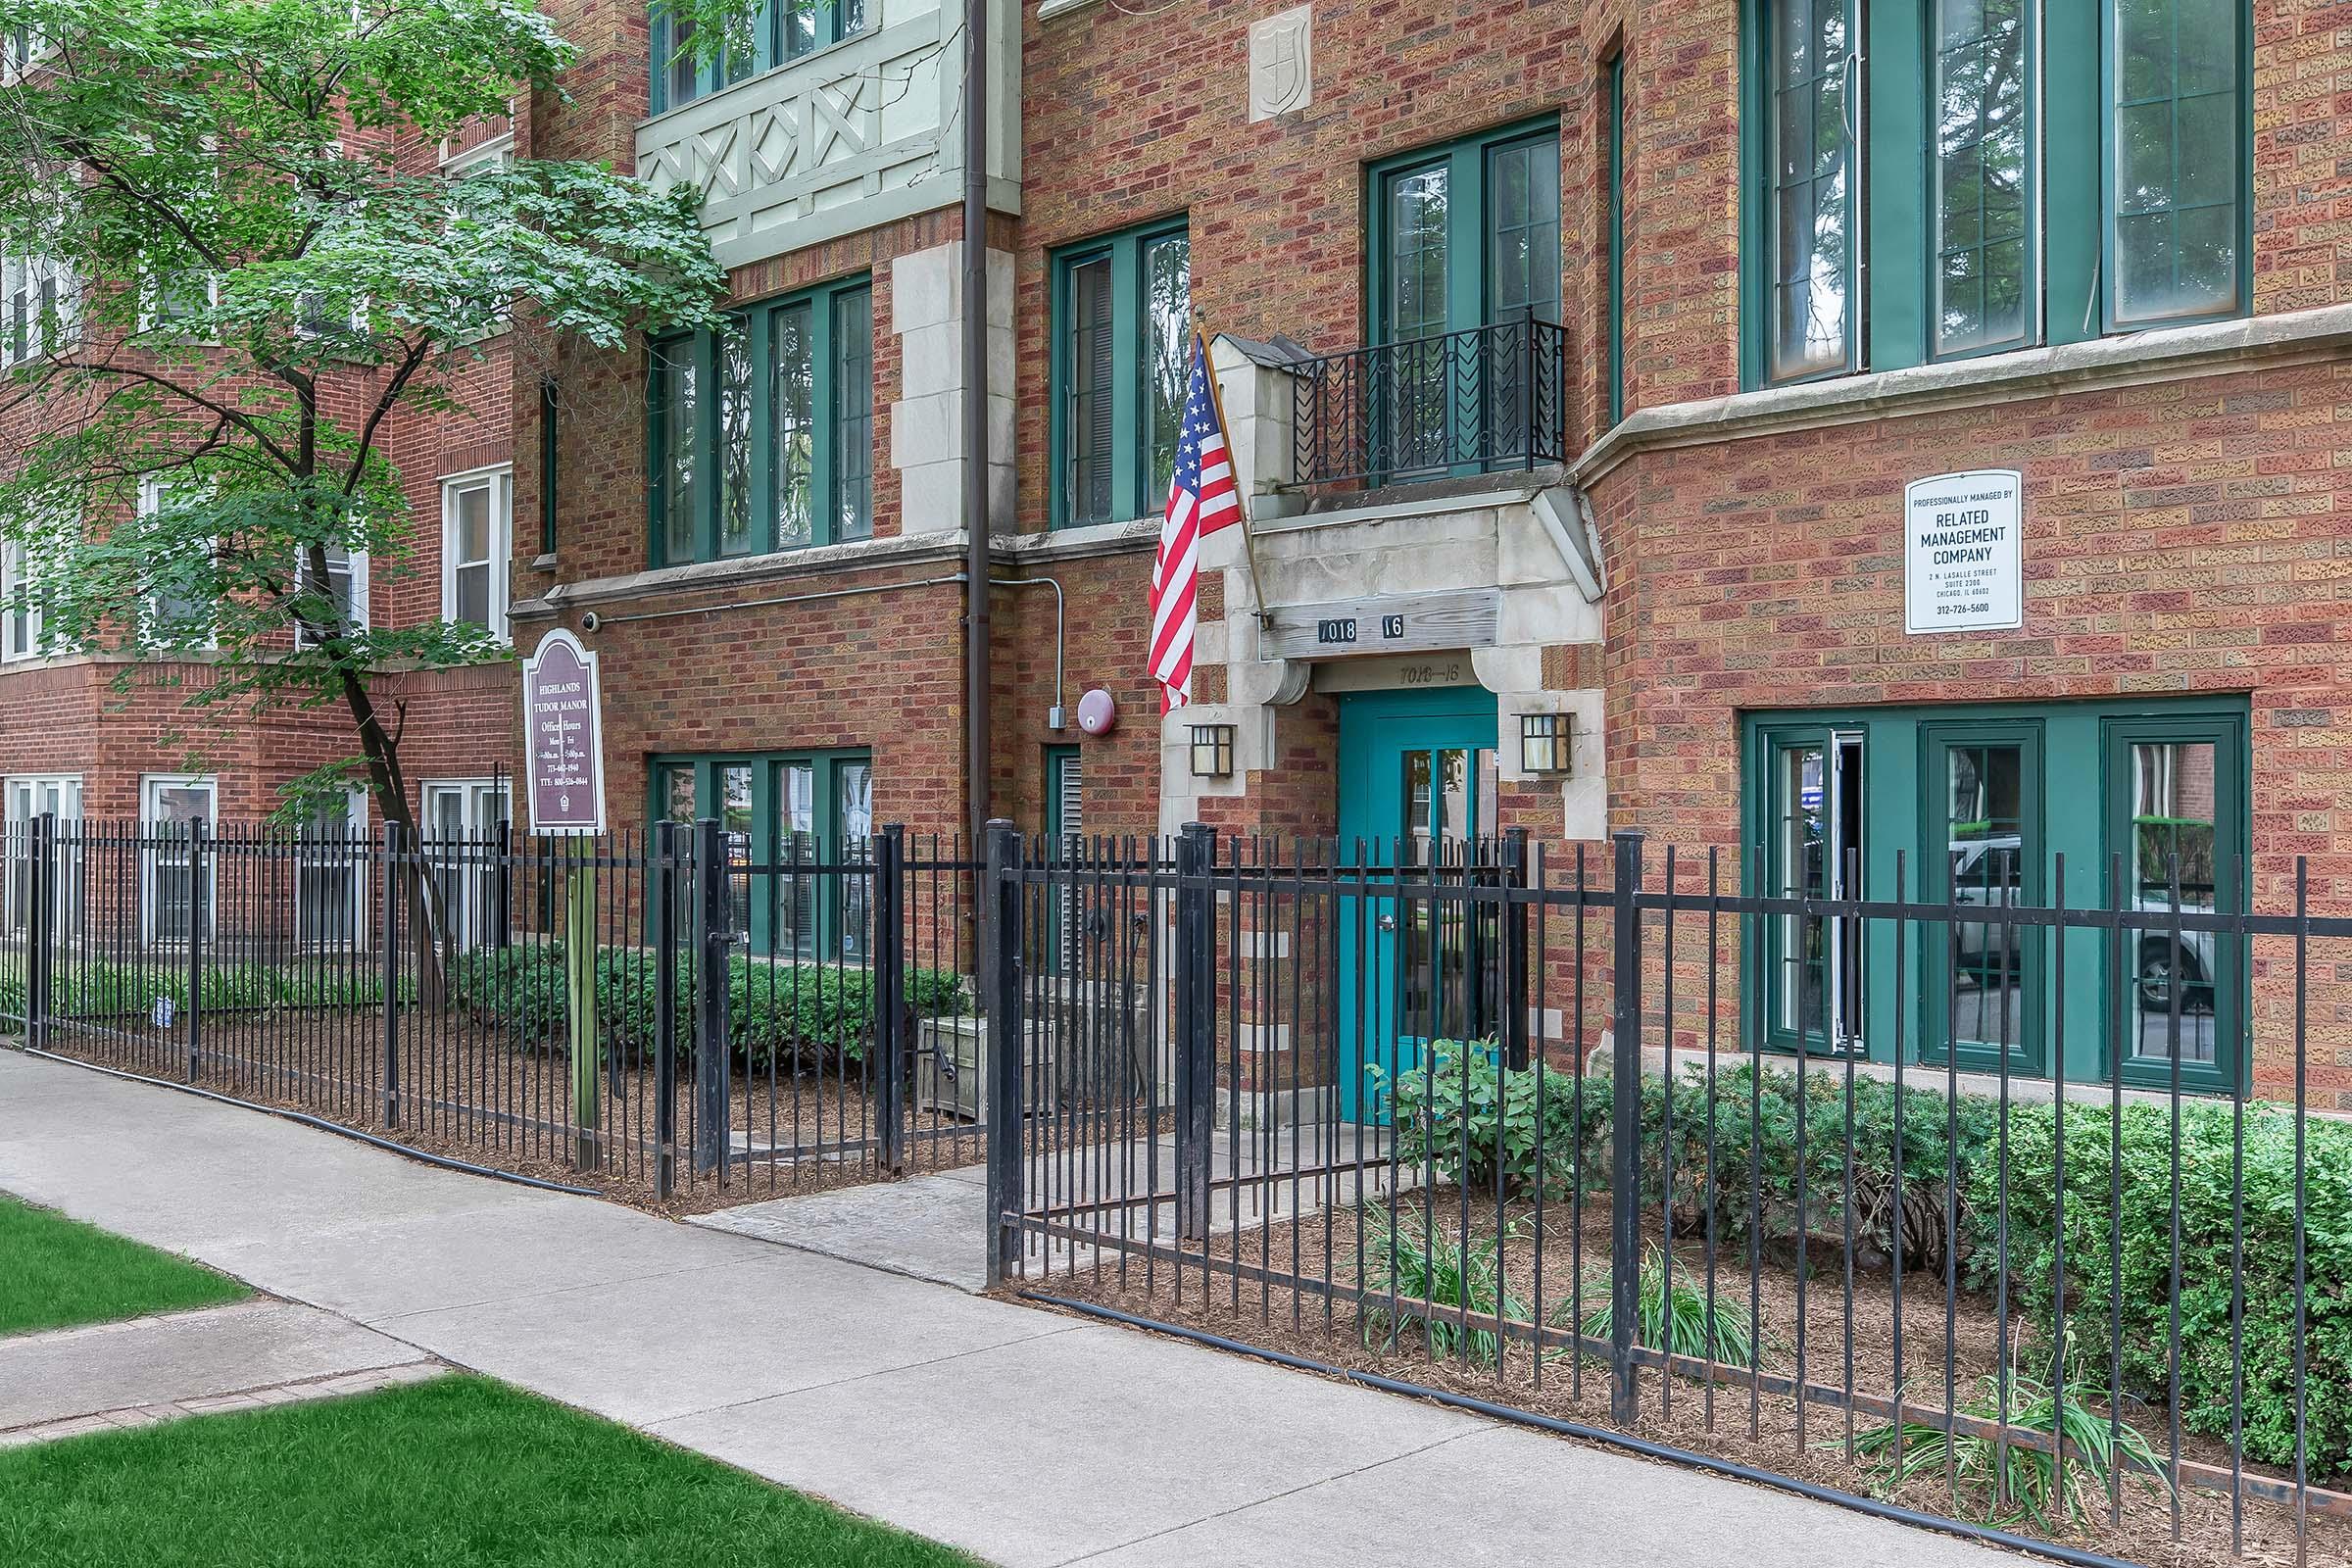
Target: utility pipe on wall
<point x="976" y="574"/>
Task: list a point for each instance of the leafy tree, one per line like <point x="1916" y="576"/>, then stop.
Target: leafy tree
<point x="245" y="286"/>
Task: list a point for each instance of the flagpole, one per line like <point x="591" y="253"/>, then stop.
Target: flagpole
<point x="1241" y="496"/>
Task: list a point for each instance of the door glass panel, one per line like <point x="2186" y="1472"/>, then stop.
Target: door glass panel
<point x="1986" y="846"/>
<point x="853" y="784"/>
<point x="1416" y="397"/>
<point x="1799" y="839"/>
<point x="735" y="441"/>
<point x="735" y="825"/>
<point x="2172" y="833"/>
<point x="796" y="932"/>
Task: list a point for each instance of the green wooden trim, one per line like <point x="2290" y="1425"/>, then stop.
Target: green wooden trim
<point x="2074" y="120"/>
<point x="1130" y="479"/>
<point x="758" y="324"/>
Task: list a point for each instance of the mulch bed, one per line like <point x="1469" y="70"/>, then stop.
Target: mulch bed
<point x="1288" y="1313"/>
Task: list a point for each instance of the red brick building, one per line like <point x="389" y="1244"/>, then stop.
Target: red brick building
<point x="1651" y="417"/>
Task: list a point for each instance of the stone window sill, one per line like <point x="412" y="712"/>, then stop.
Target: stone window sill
<point x="2163" y="354"/>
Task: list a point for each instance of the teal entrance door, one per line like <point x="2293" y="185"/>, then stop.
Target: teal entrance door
<point x="1417" y="793"/>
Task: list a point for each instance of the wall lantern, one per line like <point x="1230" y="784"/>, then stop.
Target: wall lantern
<point x="1544" y="742"/>
<point x="1213" y="751"/>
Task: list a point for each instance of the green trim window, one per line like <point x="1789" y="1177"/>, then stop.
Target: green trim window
<point x="778" y="32"/>
<point x="1615" y="95"/>
<point x="1991" y="808"/>
<point x="1931" y="179"/>
<point x="761" y="437"/>
<point x="1122" y="312"/>
<point x="778" y="811"/>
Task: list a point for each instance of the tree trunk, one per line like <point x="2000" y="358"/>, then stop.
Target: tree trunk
<point x="427" y="915"/>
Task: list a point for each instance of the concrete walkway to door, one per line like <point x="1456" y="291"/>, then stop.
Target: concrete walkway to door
<point x="1022" y="1435"/>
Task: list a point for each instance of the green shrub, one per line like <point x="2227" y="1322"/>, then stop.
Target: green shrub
<point x="802" y="1017"/>
<point x="1433" y="1271"/>
<point x="1464" y="1123"/>
<point x="92" y="988"/>
<point x="1456" y="1111"/>
<point x="2207" y="1165"/>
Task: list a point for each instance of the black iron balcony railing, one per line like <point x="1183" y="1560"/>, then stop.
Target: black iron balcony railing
<point x="1429" y="407"/>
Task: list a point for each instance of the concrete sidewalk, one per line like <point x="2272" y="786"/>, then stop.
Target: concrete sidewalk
<point x="1025" y="1437"/>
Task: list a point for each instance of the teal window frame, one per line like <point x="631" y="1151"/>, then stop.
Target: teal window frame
<point x="2073" y="141"/>
<point x="774" y="37"/>
<point x="1468" y="162"/>
<point x="1133" y="491"/>
<point x="1616" y="218"/>
<point x="831" y="899"/>
<point x="840" y="417"/>
<point x="1904" y="797"/>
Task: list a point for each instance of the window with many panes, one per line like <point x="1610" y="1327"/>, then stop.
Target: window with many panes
<point x="38" y="308"/>
<point x="778" y="32"/>
<point x="762" y="436"/>
<point x="338" y="601"/>
<point x="1123" y="356"/>
<point x="29" y="797"/>
<point x="329" y="889"/>
<point x="791" y="823"/>
<point x="177" y="611"/>
<point x="1931" y="179"/>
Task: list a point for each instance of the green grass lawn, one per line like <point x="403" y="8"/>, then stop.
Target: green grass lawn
<point x="58" y="1272"/>
<point x="450" y="1473"/>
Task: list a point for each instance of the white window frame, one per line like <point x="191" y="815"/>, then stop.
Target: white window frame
<point x="467" y="912"/>
<point x="499" y="478"/>
<point x="151" y="498"/>
<point x="345" y="854"/>
<point x="12" y="583"/>
<point x="498" y="150"/>
<point x="22" y="279"/>
<point x="151" y="297"/>
<point x="152" y="785"/>
<point x="15" y="811"/>
<point x="356" y="611"/>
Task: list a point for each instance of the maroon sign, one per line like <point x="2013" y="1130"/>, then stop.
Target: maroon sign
<point x="563" y="737"/>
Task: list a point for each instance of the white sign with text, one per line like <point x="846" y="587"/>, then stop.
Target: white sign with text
<point x="1963" y="554"/>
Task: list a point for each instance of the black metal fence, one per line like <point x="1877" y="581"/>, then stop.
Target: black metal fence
<point x="660" y="1015"/>
<point x="1490" y="397"/>
<point x="1523" y="1132"/>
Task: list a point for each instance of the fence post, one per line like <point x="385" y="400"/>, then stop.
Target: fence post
<point x="1000" y="909"/>
<point x="1625" y="1139"/>
<point x="503" y="886"/>
<point x="1515" y="1029"/>
<point x="891" y="1035"/>
<point x="40" y="932"/>
<point x="714" y="914"/>
<point x="665" y="1008"/>
<point x="198" y="905"/>
<point x="388" y="903"/>
<point x="579" y="1002"/>
<point x="1193" y="962"/>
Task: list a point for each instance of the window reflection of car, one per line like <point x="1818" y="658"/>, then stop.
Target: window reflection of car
<point x="1987" y="876"/>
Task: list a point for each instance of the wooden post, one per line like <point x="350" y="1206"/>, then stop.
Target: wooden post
<point x="579" y="991"/>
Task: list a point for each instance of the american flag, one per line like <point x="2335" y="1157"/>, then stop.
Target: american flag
<point x="1201" y="499"/>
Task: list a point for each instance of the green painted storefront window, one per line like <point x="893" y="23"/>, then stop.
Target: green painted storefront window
<point x="1985" y="812"/>
<point x="762" y="436"/>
